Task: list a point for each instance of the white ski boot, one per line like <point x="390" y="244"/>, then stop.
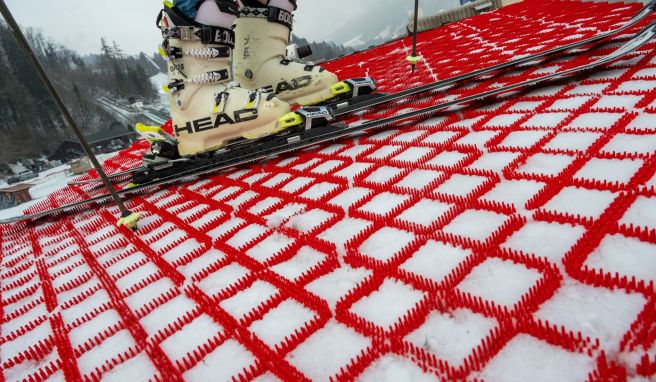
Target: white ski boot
<point x="261" y="60"/>
<point x="208" y="110"/>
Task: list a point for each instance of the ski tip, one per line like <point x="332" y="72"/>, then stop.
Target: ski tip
<point x="130" y="221"/>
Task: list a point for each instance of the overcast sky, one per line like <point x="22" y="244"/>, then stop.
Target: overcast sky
<point x="79" y="24"/>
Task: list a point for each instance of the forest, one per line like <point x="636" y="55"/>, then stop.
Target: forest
<point x="31" y="124"/>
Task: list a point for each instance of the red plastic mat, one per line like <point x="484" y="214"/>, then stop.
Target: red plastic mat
<point x="513" y="240"/>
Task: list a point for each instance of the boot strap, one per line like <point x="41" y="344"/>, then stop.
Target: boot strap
<point x="272" y="14"/>
<point x="206" y="34"/>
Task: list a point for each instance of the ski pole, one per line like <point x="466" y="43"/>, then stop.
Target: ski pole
<point x="128" y="218"/>
<point x="414" y="59"/>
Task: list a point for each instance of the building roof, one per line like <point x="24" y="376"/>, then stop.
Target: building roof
<point x="513" y="239"/>
<point x="105" y="136"/>
<point x="16" y="188"/>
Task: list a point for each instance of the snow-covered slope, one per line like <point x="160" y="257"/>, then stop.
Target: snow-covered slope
<point x="511" y="240"/>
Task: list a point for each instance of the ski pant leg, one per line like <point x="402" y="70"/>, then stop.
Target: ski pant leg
<point x="188" y="7"/>
<point x="220" y="13"/>
<point x="288" y="5"/>
<point x="208" y="11"/>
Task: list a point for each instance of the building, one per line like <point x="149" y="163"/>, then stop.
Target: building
<point x="14" y="195"/>
<point x="102" y="142"/>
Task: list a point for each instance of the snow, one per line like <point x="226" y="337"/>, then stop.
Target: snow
<point x="636" y="86"/>
<point x="327" y="167"/>
<point x="419" y="179"/>
<point x="596" y="120"/>
<point x="384" y="174"/>
<point x="297" y="184"/>
<point x="447" y="159"/>
<point x="514" y="192"/>
<point x="138" y="368"/>
<point x="478" y="139"/>
<point x="305" y="261"/>
<point x="526" y="358"/>
<point x="500" y="281"/>
<point x="413" y="154"/>
<point x="610" y="170"/>
<point x="119" y="343"/>
<point x="525" y="106"/>
<point x="523" y="139"/>
<point x="166" y="314"/>
<point x="440" y="137"/>
<point x="350" y="197"/>
<point x="384" y="152"/>
<point x="643" y="122"/>
<point x="548" y="240"/>
<point x="642" y="213"/>
<point x="386" y="306"/>
<point x="631" y="143"/>
<point x="580" y="202"/>
<point x="92" y="328"/>
<point x="626" y="256"/>
<point x="504" y="120"/>
<point x="588" y="89"/>
<point x="571" y="103"/>
<point x="546" y="120"/>
<point x="270" y="247"/>
<point x="309" y="221"/>
<point x="327" y="351"/>
<point x="345" y="230"/>
<point x="223" y="278"/>
<point x="392" y="368"/>
<point x="335" y="285"/>
<point x="246" y="235"/>
<point x="384" y="203"/>
<point x="461" y="185"/>
<point x="353" y="170"/>
<point x="573" y="141"/>
<point x="613" y="101"/>
<point x="595" y="312"/>
<point x="435" y="260"/>
<point x="476" y="224"/>
<point x="355" y="42"/>
<point x="138" y="300"/>
<point x="386" y="243"/>
<point x="452" y="336"/>
<point x="281" y="322"/>
<point x="425" y="212"/>
<point x="46" y="183"/>
<point x="277" y="218"/>
<point x="494" y="161"/>
<point x="248" y="299"/>
<point x="546" y="164"/>
<point x="222" y="364"/>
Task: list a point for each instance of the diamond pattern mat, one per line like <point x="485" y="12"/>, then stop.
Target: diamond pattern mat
<point x="509" y="240"/>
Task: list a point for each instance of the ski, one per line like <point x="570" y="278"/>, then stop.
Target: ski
<point x="363" y="89"/>
<point x="112" y="177"/>
<point x="339" y="109"/>
<point x="303" y="138"/>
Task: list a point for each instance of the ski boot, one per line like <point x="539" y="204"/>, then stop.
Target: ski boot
<point x="209" y="111"/>
<point x="262" y="60"/>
